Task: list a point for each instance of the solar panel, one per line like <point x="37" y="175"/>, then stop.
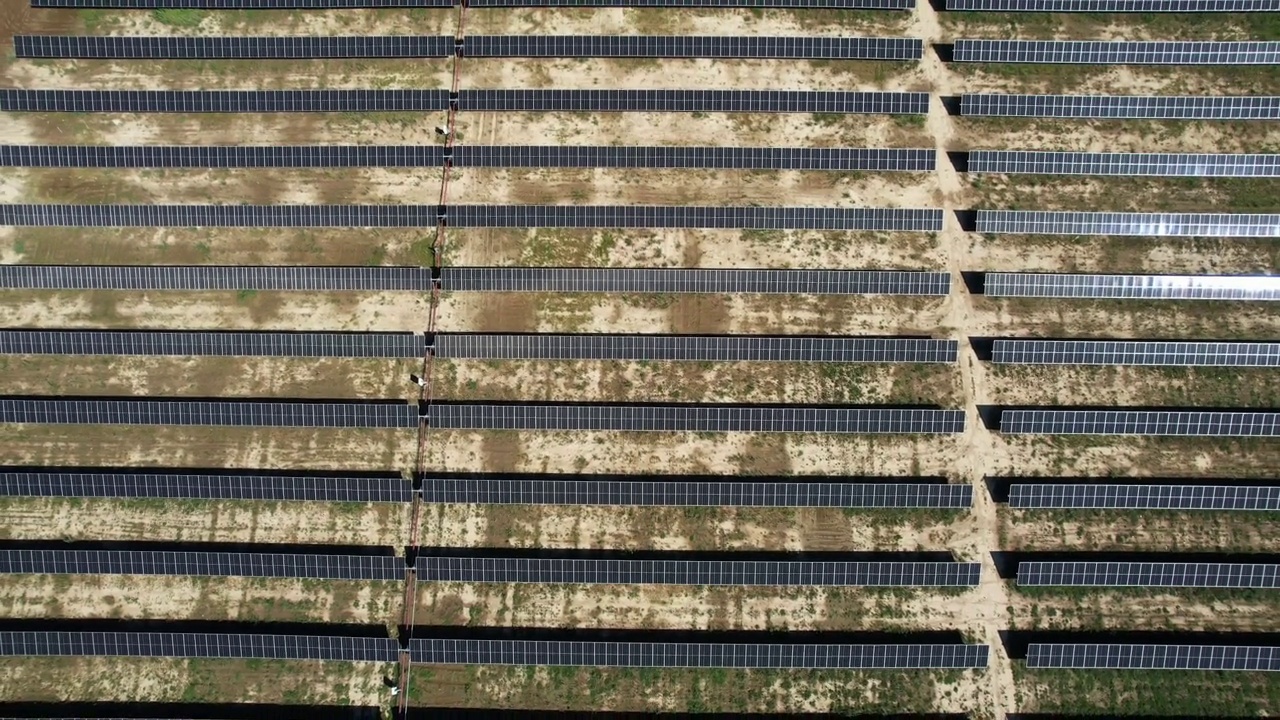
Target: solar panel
<point x="679" y="280"/>
<point x="212" y="277"/>
<point x="1129" y="107"/>
<point x="689" y="493"/>
<point x="211" y="343"/>
<point x="1182" y="423"/>
<point x="1052" y="222"/>
<point x="738" y="158"/>
<point x="1117" y="6"/>
<point x="1136" y="352"/>
<point x="1124" y="164"/>
<point x="198" y="645"/>
<point x="202" y="486"/>
<point x="1148" y="574"/>
<point x="245" y="413"/>
<point x="232" y="48"/>
<point x="1099" y="656"/>
<point x="692" y="46"/>
<point x="433" y="651"/>
<point x="522" y="216"/>
<point x="205" y="564"/>
<point x="659" y="216"/>
<point x="812" y="4"/>
<point x="729" y="101"/>
<point x="1117" y="52"/>
<point x="1144" y="497"/>
<point x="222" y="101"/>
<point x="705" y="418"/>
<point x="701" y="348"/>
<point x="1134" y="287"/>
<point x="433" y="568"/>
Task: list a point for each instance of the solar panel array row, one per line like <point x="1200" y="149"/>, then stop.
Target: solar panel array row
<point x="198" y="645"/>
<point x="687" y="493"/>
<point x="193" y="486"/>
<point x="1117" y="6"/>
<point x="1056" y="222"/>
<point x="812" y="4"/>
<point x="209" y="412"/>
<point x="242" y="4"/>
<point x="219" y="564"/>
<point x="1124" y="164"/>
<point x="1153" y="657"/>
<point x="518" y="216"/>
<point x="1183" y="423"/>
<point x="702" y="655"/>
<point x="1143" y="497"/>
<point x="673" y="280"/>
<point x="1118" y="52"/>
<point x="533" y="156"/>
<point x="691" y="46"/>
<point x="1135" y="107"/>
<point x="212" y="277"/>
<point x="697" y="572"/>
<point x="690" y="348"/>
<point x="1137" y="352"/>
<point x="1134" y="287"/>
<point x="232" y="48"/>
<point x="673" y="418"/>
<point x="222" y="101"/>
<point x="1148" y="574"/>
<point x="274" y="101"/>
<point x="211" y="343"/>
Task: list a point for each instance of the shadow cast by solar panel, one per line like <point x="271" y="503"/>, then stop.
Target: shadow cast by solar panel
<point x="1007" y="562"/>
<point x="951" y="103"/>
<point x="478" y="714"/>
<point x="815" y="637"/>
<point x="194" y="711"/>
<point x="946" y="51"/>
<point x="960" y="162"/>
<point x="1016" y="641"/>
<point x="687" y="555"/>
<point x="228" y="627"/>
<point x="218" y="547"/>
<point x="975" y="281"/>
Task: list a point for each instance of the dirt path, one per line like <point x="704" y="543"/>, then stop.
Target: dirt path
<point x="986" y="610"/>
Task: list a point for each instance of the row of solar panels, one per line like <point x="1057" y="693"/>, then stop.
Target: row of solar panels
<point x="553" y="490"/>
<point x="503" y="156"/>
<point x="421" y="46"/>
<point x="479" y="346"/>
<point x="1093" y="6"/>
<point x="1030" y="495"/>
<point x="435" y="568"/>
<point x="514" y="216"/>
<point x="1040" y="573"/>
<point x="553" y="156"/>
<point x="1023" y="222"/>
<point x="645" y="46"/>
<point x="1118" y="52"/>
<point x="477" y="416"/>
<point x="1264" y="288"/>
<point x="464" y="279"/>
<point x="579" y="490"/>
<point x="699" y="348"/>
<point x="1153" y="107"/>
<point x="450" y="651"/>
<point x="261" y="101"/>
<point x="635" y="418"/>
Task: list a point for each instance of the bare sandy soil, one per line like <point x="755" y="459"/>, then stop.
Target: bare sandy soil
<point x="196" y="598"/>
